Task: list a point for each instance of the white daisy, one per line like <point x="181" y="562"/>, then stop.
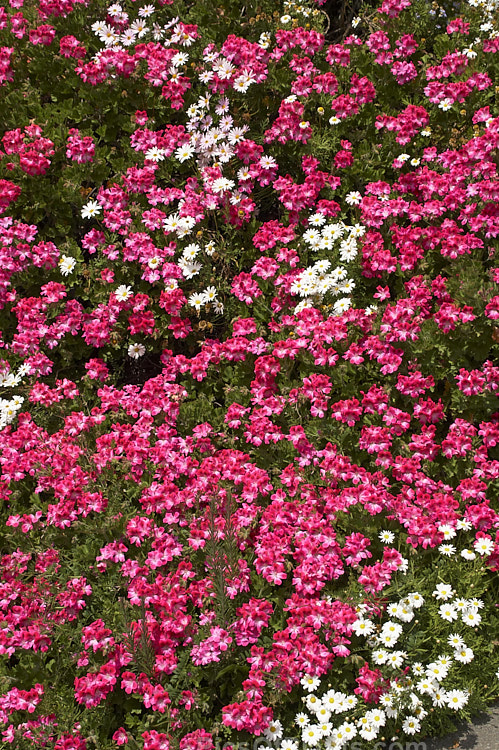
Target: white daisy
<point x="136" y="350"/>
<point x="66" y="264"/>
<point x="91" y="209"/>
<point x="123" y="293"/>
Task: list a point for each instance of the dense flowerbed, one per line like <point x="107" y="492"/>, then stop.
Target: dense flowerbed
<point x="249" y="418"/>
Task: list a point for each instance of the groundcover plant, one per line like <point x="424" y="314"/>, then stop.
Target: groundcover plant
<point x="249" y="418"/>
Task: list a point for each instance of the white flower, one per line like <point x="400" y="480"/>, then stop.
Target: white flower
<point x="286" y="18"/>
<point x="312" y="702"/>
<point x="471" y="617"/>
<point x="311" y="735"/>
<point x="91" y="209"/>
<point x="456" y="699"/>
<point x="197" y="300"/>
<point x="184" y="152"/>
<point x="476" y="603"/>
<point x="386" y="536"/>
<point x="426" y="686"/>
<point x="426" y="132"/>
<point x="310" y="683"/>
<point x="463" y="525"/>
<point x="356" y="21"/>
<point x="288" y="745"/>
<point x="464" y="655"/>
<point x="267" y="162"/>
<point x="436" y="671"/>
<point x="484" y="546"/>
<point x="273" y="731"/>
<point x="334" y="120"/>
<point x="440" y="698"/>
<point x="415" y="600"/>
<point x="221" y="184"/>
<point x="146" y="11"/>
<point x="115" y="9"/>
<point x="376" y="717"/>
<point x="66" y="265"/>
<point x="396" y="658"/>
<point x="139" y="28"/>
<point x="302" y="720"/>
<point x="136" y="350"/>
<point x="455" y="641"/>
<point x="122" y="293"/>
<point x="127" y="38"/>
<point x="380" y="656"/>
<point x="353" y="198"/>
<point x="411" y="725"/>
<point x="448" y="550"/>
<point x="448" y="531"/>
<point x="210" y="294"/>
<point x="342" y="305"/>
<point x="155" y="154"/>
<point x="363" y="627"/>
<point x="443" y="591"/>
<point x="468" y="554"/>
<point x="445" y="105"/>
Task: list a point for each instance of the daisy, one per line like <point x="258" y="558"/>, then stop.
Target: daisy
<point x="468" y="554"/>
<point x="363" y="627"/>
<point x="380" y="656"/>
<point x="189" y="269"/>
<point x="477" y="603"/>
<point x="456" y="699"/>
<point x="171" y="223"/>
<point x="140" y="28"/>
<point x="221" y="184"/>
<point x="312" y="702"/>
<point x="128" y="37"/>
<point x="136" y="350"/>
<point x="464" y="655"/>
<point x="302" y="720"/>
<point x="123" y="293"/>
<point x="146" y="11"/>
<point x="455" y="641"/>
<point x="91" y="209"/>
<point x="273" y="731"/>
<point x="310" y="683"/>
<point x="342" y="305"/>
<point x="210" y="294"/>
<point x="196" y="300"/>
<point x="448" y="531"/>
<point x="396" y="658"/>
<point x="316" y="220"/>
<point x="471" y="617"/>
<point x="445" y="105"/>
<point x="353" y="198"/>
<point x="411" y="725"/>
<point x="66" y="265"/>
<point x="483" y="546"/>
<point x="443" y="591"/>
<point x="311" y="735"/>
<point x="155" y="154"/>
<point x="440" y="698"/>
<point x="448" y="550"/>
